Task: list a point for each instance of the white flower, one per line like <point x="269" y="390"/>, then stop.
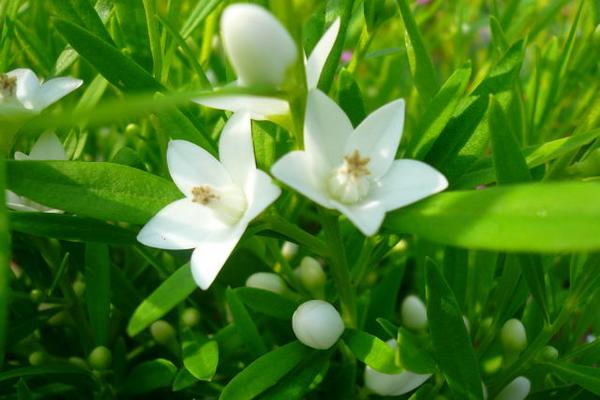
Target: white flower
<point x="261" y="52"/>
<point x="289" y="250"/>
<point x="518" y="389"/>
<point x="414" y="313"/>
<point x="353" y="170"/>
<point x="221" y="198"/>
<point x="47" y="147"/>
<point x="513" y="336"/>
<point x="317" y="324"/>
<point x="21" y="89"/>
<point x="393" y="384"/>
<point x="267" y="281"/>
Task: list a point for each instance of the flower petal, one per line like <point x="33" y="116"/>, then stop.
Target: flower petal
<point x="19" y="156"/>
<point x="318" y="57"/>
<point x="260" y="49"/>
<point x="296" y="170"/>
<point x="15" y="202"/>
<point x="378" y="137"/>
<point x="366" y="216"/>
<point x="48" y="147"/>
<point x="259" y="107"/>
<point x="28" y="86"/>
<point x="326" y="130"/>
<point x="55" y="89"/>
<point x="210" y="255"/>
<point x="180" y="225"/>
<point x="190" y="166"/>
<point x="236" y="150"/>
<point x="393" y="384"/>
<point x="406" y="182"/>
<point x="260" y="193"/>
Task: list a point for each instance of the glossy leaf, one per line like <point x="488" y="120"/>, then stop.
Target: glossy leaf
<point x="263" y="301"/>
<point x="372" y="351"/>
<point x="97" y="290"/>
<point x="582" y="375"/>
<point x="245" y="325"/>
<point x="148" y="376"/>
<point x="200" y="356"/>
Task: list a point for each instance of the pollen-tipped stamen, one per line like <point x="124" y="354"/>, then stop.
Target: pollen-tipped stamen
<point x="349" y="183"/>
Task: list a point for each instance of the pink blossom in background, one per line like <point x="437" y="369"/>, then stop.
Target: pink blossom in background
<point x="423" y="1"/>
<point x="346" y="56"/>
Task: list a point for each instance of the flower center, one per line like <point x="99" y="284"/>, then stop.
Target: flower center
<point x="229" y="203"/>
<point x="350" y="182"/>
<point x="8" y="86"/>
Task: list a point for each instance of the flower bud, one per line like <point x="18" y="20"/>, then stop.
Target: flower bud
<point x="163" y="332"/>
<point x="317" y="324"/>
<point x="190" y="317"/>
<point x="311" y="275"/>
<point x="513" y="336"/>
<point x="549" y="353"/>
<point x="36" y="296"/>
<point x="100" y="358"/>
<point x="79" y="288"/>
<point x="78" y="362"/>
<point x="259" y="48"/>
<point x="414" y="313"/>
<point x="267" y="281"/>
<point x="37" y="358"/>
<point x="289" y="250"/>
<point x="518" y="389"/>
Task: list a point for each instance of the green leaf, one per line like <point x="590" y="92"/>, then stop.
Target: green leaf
<point x="200" y="356"/>
<point x="197" y="15"/>
<point x="384" y="296"/>
<point x="421" y="67"/>
<point x="451" y="342"/>
<point x="349" y="97"/>
<point x="549" y="217"/>
<point x="263" y="300"/>
<point x="372" y="351"/>
<point x="97" y="290"/>
<point x="533" y="272"/>
<point x="5" y="260"/>
<point x="132" y="22"/>
<point x="57" y="372"/>
<point x="245" y="326"/>
<point x="414" y="356"/>
<point x="148" y="376"/>
<point x="264" y="139"/>
<point x="265" y="372"/>
<point x="94" y="189"/>
<point x="584" y="376"/>
<point x="171" y="292"/>
<point x="81" y="13"/>
<point x="183" y="380"/>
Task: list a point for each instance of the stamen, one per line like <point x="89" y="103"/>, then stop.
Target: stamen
<point x="228" y="203"/>
<point x="204" y="195"/>
<point x="8" y="86"/>
<point x="349" y="183"/>
<point x="356" y="166"/>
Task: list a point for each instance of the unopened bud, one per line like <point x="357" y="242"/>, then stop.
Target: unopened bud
<point x="78" y="362"/>
<point x="513" y="336"/>
<point x="190" y="317"/>
<point x="289" y="250"/>
<point x="100" y="358"/>
<point x="317" y="324"/>
<point x="79" y="288"/>
<point x="267" y="281"/>
<point x="414" y="313"/>
<point x="37" y="358"/>
<point x="549" y="353"/>
<point x="163" y="332"/>
<point x="518" y="389"/>
<point x="36" y="296"/>
<point x="311" y="275"/>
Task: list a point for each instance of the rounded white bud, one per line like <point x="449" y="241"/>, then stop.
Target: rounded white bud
<point x="259" y="48"/>
<point x="317" y="324"/>
<point x="289" y="250"/>
<point x="518" y="389"/>
<point x="414" y="313"/>
<point x="311" y="275"/>
<point x="513" y="336"/>
<point x="267" y="281"/>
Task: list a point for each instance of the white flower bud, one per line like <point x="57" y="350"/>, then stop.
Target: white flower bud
<point x="267" y="281"/>
<point x="260" y="49"/>
<point x="289" y="250"/>
<point x="311" y="275"/>
<point x="518" y="389"/>
<point x="317" y="324"/>
<point x="513" y="336"/>
<point x="414" y="313"/>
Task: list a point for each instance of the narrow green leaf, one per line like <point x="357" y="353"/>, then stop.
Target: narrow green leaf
<point x="153" y="36"/>
<point x="197" y="15"/>
<point x="170" y="293"/>
<point x="533" y="272"/>
<point x="455" y="269"/>
<point x="131" y="18"/>
<point x="245" y="326"/>
<point x="584" y="376"/>
<point x="263" y="300"/>
<point x="200" y="356"/>
<point x="94" y="189"/>
<point x="384" y="297"/>
<point x="97" y="290"/>
<point x="414" y="356"/>
<point x="552" y="217"/>
<point x="372" y="351"/>
<point x="350" y="98"/>
<point x="183" y="380"/>
<point x="451" y="342"/>
<point x="83" y="14"/>
<point x="148" y="376"/>
<point x="498" y="36"/>
<point x="265" y="372"/>
<point x="263" y="137"/>
<point x="5" y="259"/>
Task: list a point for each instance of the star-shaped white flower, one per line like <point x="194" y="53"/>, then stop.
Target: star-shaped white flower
<point x="47" y="147"/>
<point x="21" y="90"/>
<point x="261" y="52"/>
<point x="354" y="170"/>
<point x="221" y="198"/>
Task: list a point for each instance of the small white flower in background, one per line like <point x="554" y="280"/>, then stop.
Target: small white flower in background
<point x="221" y="198"/>
<point x="317" y="324"/>
<point x="20" y="89"/>
<point x="261" y="52"/>
<point x="518" y="389"/>
<point x="513" y="336"/>
<point x="311" y="275"/>
<point x="47" y="147"/>
<point x="414" y="313"/>
<point x="267" y="281"/>
<point x="393" y="384"/>
<point x="289" y="250"/>
<point x="354" y="170"/>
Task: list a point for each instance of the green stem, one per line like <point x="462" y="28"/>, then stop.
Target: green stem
<point x="296" y="234"/>
<point x="339" y="267"/>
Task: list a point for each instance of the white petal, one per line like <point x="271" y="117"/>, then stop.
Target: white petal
<point x="393" y="384"/>
<point x="28" y="86"/>
<point x="180" y="225"/>
<point x="260" y="193"/>
<point x="259" y="107"/>
<point x="318" y="57"/>
<point x="190" y="166"/>
<point x="19" y="156"/>
<point x="55" y="89"/>
<point x="406" y="182"/>
<point x="210" y="256"/>
<point x="517" y="389"/>
<point x="326" y="130"/>
<point x="378" y="137"/>
<point x="15" y="202"/>
<point x="48" y="147"/>
<point x="260" y="49"/>
<point x="296" y="170"/>
<point x="366" y="216"/>
<point x="236" y="150"/>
